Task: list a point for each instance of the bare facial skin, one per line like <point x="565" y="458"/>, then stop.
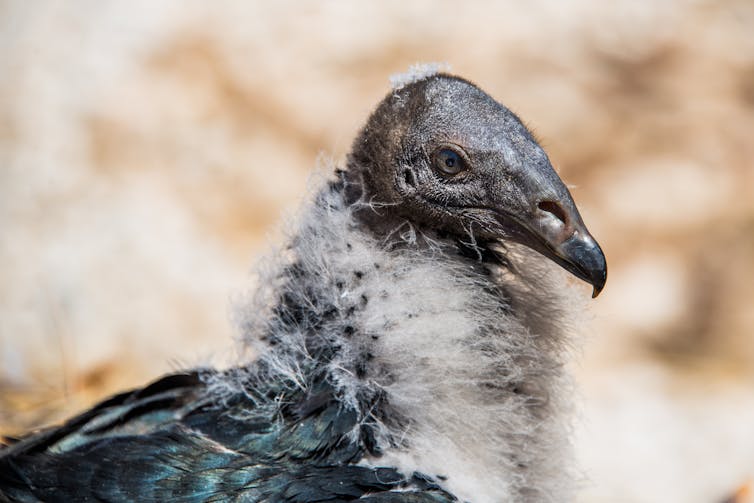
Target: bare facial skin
<point x="448" y="156"/>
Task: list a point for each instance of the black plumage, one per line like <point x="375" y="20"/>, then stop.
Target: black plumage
<point x="409" y="348"/>
<point x="167" y="442"/>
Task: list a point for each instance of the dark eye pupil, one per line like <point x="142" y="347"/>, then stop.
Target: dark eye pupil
<point x="448" y="162"/>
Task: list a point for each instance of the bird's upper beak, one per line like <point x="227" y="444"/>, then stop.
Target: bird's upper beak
<point x="549" y="222"/>
<point x="576" y="251"/>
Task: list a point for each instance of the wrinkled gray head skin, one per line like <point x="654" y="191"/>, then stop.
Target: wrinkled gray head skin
<point x="444" y="155"/>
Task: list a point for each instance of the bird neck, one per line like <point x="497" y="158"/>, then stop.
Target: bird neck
<point x="453" y="362"/>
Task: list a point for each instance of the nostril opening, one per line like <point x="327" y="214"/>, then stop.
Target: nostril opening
<point x="554" y="209"/>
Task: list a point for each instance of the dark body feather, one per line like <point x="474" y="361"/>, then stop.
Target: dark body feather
<point x="168" y="442"/>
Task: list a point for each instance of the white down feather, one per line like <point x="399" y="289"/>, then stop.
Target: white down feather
<point x="470" y="362"/>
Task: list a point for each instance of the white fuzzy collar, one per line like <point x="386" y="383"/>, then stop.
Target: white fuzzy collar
<point x="468" y="360"/>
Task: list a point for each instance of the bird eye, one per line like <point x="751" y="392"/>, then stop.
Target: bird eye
<point x="448" y="162"/>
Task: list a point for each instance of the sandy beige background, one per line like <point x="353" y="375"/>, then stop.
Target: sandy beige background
<point x="148" y="149"/>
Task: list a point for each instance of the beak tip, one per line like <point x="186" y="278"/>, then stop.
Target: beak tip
<point x="598" y="275"/>
<point x="596" y="291"/>
<point x="583" y="257"/>
<point x="599" y="278"/>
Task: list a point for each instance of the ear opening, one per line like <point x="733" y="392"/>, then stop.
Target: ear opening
<point x="408" y="177"/>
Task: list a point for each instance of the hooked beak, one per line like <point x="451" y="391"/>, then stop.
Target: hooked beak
<point x="581" y="256"/>
<point x="555" y="230"/>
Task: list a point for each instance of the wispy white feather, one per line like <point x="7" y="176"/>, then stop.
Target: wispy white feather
<point x="469" y="360"/>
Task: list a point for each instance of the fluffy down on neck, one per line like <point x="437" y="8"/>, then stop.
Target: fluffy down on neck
<point x="456" y="364"/>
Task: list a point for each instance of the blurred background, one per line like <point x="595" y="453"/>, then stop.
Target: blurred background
<point x="148" y="151"/>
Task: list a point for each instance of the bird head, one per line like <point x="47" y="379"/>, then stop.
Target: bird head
<point x="443" y="154"/>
